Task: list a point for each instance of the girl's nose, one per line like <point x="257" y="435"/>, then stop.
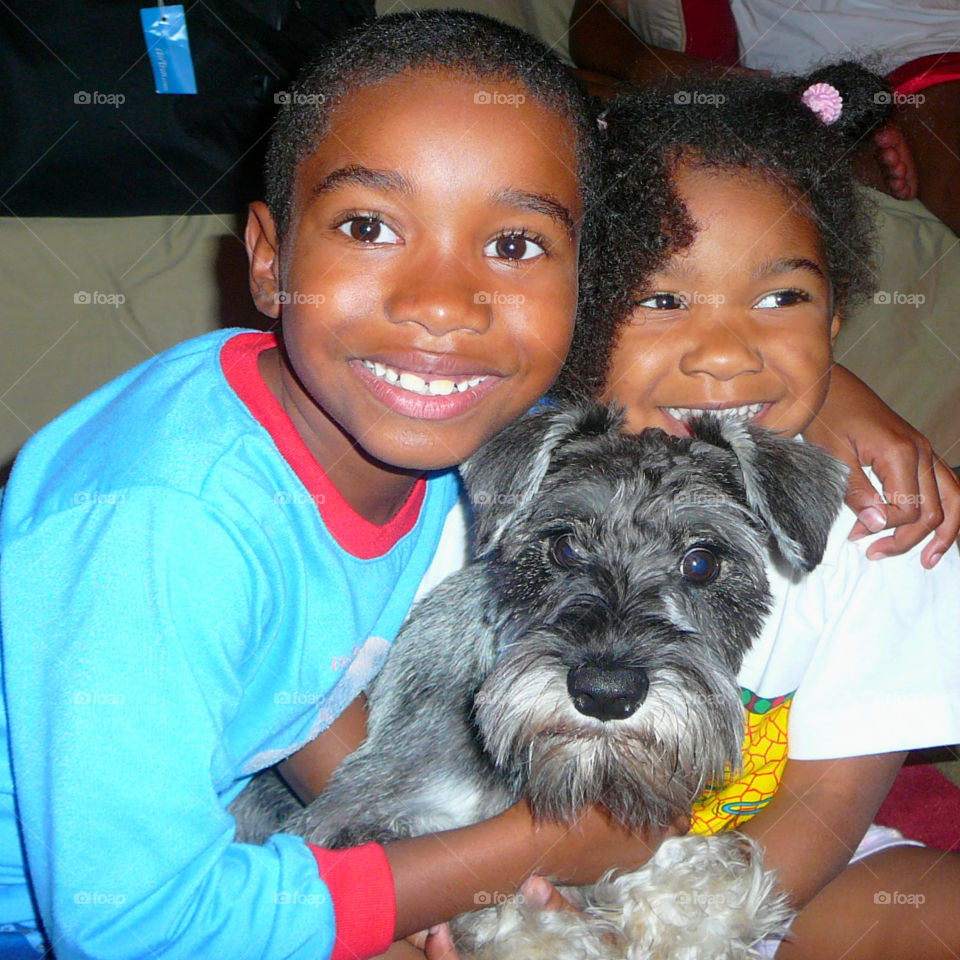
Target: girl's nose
<point x="442" y="301"/>
<point x="722" y="351"/>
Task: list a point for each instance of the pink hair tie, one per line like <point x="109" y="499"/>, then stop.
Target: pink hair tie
<point x="824" y="100"/>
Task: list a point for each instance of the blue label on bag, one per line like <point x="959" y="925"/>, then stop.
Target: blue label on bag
<point x="165" y="30"/>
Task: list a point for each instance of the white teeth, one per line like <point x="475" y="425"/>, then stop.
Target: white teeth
<point x="415" y="384"/>
<point x="410" y="381"/>
<point x="743" y="414"/>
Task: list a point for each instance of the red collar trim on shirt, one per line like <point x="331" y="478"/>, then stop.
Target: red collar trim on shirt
<point x="356" y="535"/>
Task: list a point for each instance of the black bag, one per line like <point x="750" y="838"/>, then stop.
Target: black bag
<point x="85" y="133"/>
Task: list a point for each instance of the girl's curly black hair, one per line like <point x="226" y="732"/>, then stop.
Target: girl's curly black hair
<point x="751" y="123"/>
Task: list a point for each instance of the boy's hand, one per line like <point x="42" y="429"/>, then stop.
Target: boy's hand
<point x="921" y="494"/>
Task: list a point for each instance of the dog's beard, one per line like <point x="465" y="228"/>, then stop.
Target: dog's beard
<point x="646" y="770"/>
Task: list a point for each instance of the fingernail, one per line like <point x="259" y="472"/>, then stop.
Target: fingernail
<point x="873" y="519"/>
<point x="935" y="558"/>
<point x="535" y="891"/>
<point x="434" y="930"/>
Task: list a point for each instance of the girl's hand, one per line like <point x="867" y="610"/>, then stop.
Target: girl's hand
<point x="921" y="494"/>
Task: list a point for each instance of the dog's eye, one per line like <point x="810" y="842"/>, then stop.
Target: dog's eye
<point x="699" y="565"/>
<point x="564" y="550"/>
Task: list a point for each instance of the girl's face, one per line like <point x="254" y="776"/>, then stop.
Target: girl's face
<point x="740" y="321"/>
<point x="428" y="280"/>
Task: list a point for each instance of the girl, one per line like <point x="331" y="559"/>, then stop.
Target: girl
<point x="763" y="244"/>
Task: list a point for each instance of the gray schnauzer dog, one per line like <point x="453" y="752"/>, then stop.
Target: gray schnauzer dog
<point x="589" y="655"/>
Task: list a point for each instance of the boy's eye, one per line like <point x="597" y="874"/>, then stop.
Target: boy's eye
<point x="782" y="298"/>
<point x="368" y="230"/>
<point x="662" y="301"/>
<point x="513" y="246"/>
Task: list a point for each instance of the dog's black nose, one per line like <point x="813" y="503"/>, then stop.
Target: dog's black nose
<point x="607" y="692"/>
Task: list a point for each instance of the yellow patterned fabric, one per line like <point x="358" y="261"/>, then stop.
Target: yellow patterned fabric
<point x="764" y="757"/>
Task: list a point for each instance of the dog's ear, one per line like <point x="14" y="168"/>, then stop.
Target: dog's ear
<point x="795" y="488"/>
<point x="504" y="475"/>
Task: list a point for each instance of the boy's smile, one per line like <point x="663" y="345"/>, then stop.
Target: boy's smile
<point x="428" y="277"/>
<point x="740" y="323"/>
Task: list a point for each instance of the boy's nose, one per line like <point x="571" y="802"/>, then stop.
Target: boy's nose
<point x="723" y="352"/>
<point x="441" y="302"/>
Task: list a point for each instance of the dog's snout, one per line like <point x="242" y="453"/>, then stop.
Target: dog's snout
<point x="607" y="692"/>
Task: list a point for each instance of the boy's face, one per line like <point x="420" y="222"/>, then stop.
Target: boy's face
<point x="740" y="320"/>
<point x="429" y="274"/>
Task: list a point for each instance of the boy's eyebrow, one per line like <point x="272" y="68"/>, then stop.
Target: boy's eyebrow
<point x="387" y="180"/>
<point x="788" y="265"/>
<point x="537" y="203"/>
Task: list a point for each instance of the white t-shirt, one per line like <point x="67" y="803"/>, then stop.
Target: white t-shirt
<point x="788" y="37"/>
<point x="858" y="657"/>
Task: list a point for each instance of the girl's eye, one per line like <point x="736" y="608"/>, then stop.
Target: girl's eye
<point x="782" y="298"/>
<point x="370" y="230"/>
<point x="514" y="246"/>
<point x="662" y="301"/>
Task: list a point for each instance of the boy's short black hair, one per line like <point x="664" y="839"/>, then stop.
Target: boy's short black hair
<point x="740" y="122"/>
<point x="455" y="41"/>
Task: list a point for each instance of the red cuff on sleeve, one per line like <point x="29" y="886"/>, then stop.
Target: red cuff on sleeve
<point x="364" y="903"/>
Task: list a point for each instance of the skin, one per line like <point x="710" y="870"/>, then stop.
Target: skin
<point x="743" y="316"/>
<point x="443" y="245"/>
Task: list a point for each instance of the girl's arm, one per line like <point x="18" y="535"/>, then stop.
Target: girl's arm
<point x="817" y="818"/>
<point x="920" y="492"/>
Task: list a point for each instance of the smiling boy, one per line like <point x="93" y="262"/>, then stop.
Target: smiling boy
<point x="204" y="562"/>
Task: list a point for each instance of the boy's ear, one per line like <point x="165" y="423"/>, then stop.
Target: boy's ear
<point x="263" y="253"/>
<point x="795" y="488"/>
<point x="504" y="475"/>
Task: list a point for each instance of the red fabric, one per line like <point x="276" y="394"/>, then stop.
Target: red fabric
<point x="361" y="886"/>
<point x="925" y="72"/>
<point x="352" y="532"/>
<point x="711" y="31"/>
<point x="924" y="805"/>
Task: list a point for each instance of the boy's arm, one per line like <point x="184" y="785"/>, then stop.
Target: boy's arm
<point x="920" y="492"/>
<point x="307" y="772"/>
<point x="817" y="818"/>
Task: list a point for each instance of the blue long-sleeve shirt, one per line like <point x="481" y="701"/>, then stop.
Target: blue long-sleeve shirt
<point x="185" y="598"/>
